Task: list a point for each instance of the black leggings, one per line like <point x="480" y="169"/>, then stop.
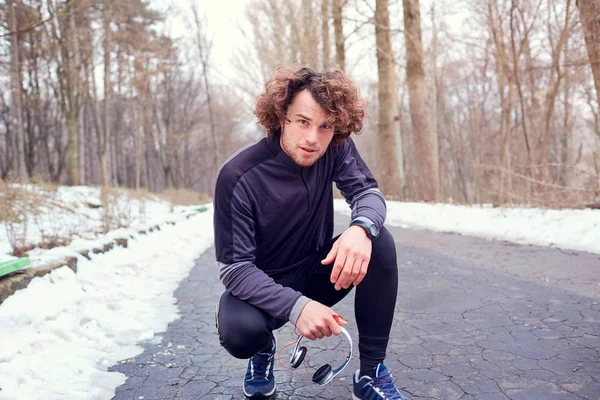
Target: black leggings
<point x="245" y="329"/>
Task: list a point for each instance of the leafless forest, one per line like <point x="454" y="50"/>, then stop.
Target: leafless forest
<point x="487" y="101"/>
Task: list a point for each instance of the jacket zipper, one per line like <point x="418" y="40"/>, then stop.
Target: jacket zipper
<point x="306" y="190"/>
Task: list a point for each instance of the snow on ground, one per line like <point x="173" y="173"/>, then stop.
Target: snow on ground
<point x="61" y="333"/>
<point x="566" y="229"/>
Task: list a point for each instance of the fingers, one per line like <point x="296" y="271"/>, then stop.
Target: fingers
<point x="350" y="255"/>
<point x="335" y="327"/>
<point x="317" y="321"/>
<point x="348" y="273"/>
<point x="338" y="266"/>
<point x="345" y="275"/>
<point x="332" y="253"/>
<point x="339" y="321"/>
<point x="353" y="271"/>
<point x="328" y="326"/>
<point x="362" y="272"/>
<point x="320" y="331"/>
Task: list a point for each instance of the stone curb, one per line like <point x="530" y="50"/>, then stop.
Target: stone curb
<point x="10" y="283"/>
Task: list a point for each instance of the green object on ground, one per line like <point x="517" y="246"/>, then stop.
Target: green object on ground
<point x="6" y="267"/>
<point x="200" y="209"/>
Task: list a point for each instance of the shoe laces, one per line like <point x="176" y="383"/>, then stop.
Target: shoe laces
<point x="260" y="364"/>
<point x="385" y="383"/>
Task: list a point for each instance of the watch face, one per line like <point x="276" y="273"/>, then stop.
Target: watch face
<point x="373" y="230"/>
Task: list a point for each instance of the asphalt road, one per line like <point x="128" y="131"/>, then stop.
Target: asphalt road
<point x="475" y="319"/>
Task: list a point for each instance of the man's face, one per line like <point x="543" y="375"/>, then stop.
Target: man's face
<point x="307" y="136"/>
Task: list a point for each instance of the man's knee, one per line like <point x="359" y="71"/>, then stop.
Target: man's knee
<point x="242" y="332"/>
<point x="384" y="250"/>
<point x="242" y="341"/>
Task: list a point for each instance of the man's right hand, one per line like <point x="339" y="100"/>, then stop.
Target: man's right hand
<point x="316" y="321"/>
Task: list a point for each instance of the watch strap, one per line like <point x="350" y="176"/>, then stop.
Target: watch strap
<point x="367" y="225"/>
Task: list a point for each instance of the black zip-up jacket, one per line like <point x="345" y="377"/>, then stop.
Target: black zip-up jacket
<point x="270" y="213"/>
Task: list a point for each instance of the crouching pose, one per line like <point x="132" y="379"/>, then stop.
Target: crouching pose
<point x="274" y="225"/>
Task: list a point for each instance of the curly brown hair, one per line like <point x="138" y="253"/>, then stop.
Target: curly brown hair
<point x="333" y="91"/>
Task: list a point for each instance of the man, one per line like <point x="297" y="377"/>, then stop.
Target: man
<point x="273" y="232"/>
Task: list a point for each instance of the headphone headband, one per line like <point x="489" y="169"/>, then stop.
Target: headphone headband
<point x="299" y="353"/>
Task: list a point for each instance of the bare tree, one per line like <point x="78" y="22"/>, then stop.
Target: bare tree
<point x="325" y="32"/>
<point x="16" y="109"/>
<point x="310" y="36"/>
<point x="426" y="146"/>
<point x="103" y="139"/>
<point x="589" y="11"/>
<point x="392" y="179"/>
<point x="517" y="52"/>
<point x="340" y="53"/>
<point x="70" y="90"/>
<point x="204" y="48"/>
<point x="556" y="76"/>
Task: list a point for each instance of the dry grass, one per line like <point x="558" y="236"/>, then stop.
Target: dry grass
<point x="183" y="197"/>
<point x="24" y="202"/>
<point x="116" y="207"/>
<point x="20" y="200"/>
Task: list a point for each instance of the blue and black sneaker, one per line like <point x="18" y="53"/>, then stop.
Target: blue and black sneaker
<point x="379" y="388"/>
<point x="259" y="381"/>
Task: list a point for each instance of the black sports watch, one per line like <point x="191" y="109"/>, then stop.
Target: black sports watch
<point x="368" y="226"/>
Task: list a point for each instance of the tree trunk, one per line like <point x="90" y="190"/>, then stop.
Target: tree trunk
<point x="16" y="109"/>
<point x="138" y="144"/>
<point x="115" y="139"/>
<point x="72" y="150"/>
<point x="278" y="23"/>
<point x="340" y="55"/>
<point x="310" y="39"/>
<point x="589" y="11"/>
<point x="204" y="53"/>
<point x="553" y="93"/>
<point x="505" y="183"/>
<point x="34" y="125"/>
<point x="150" y="184"/>
<point x="391" y="180"/>
<point x="103" y="144"/>
<point x="567" y="127"/>
<point x="434" y="100"/>
<point x="73" y="87"/>
<point x="296" y="39"/>
<point x="325" y="32"/>
<point x="426" y="145"/>
<point x="516" y="56"/>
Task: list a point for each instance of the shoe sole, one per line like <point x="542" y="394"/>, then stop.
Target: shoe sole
<point x="354" y="397"/>
<point x="261" y="396"/>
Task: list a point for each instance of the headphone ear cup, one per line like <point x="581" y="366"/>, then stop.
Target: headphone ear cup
<point x="321" y="373"/>
<point x="301" y="354"/>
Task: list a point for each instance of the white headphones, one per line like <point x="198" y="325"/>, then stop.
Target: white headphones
<point x="324" y="374"/>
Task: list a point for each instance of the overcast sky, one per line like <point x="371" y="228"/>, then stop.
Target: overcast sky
<point x="223" y="18"/>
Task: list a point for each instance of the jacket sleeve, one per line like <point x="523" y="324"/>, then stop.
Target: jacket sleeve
<point x="235" y="245"/>
<point x="358" y="186"/>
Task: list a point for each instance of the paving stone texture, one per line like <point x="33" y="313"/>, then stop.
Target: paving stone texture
<point x="475" y="319"/>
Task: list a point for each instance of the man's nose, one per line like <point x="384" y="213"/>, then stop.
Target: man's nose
<point x="312" y="135"/>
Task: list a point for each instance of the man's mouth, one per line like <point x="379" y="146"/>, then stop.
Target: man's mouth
<point x="308" y="149"/>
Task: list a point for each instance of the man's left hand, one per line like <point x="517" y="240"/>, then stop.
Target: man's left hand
<point x="351" y="253"/>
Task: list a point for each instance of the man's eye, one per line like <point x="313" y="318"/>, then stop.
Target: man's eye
<point x="325" y="126"/>
<point x="303" y="121"/>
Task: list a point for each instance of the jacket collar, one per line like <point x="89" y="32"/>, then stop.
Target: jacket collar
<point x="281" y="156"/>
